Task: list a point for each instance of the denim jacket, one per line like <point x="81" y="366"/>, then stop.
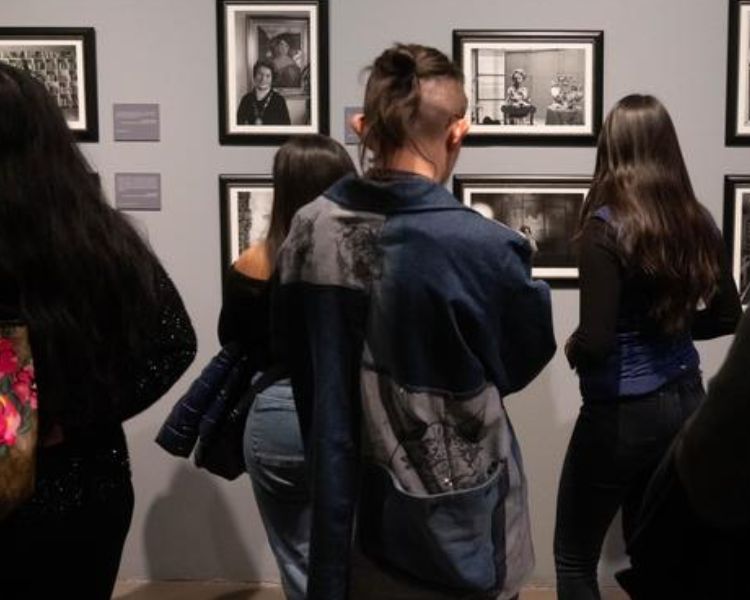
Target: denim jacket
<point x="406" y="319"/>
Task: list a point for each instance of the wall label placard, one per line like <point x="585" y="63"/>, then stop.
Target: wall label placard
<point x="138" y="191"/>
<point x="136" y="122"/>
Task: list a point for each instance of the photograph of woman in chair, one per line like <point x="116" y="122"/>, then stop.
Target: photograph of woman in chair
<point x="518" y="106"/>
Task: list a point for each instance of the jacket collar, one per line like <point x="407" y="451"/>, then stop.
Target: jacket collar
<point x="400" y="192"/>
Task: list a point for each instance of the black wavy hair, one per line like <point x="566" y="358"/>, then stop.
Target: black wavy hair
<point x="87" y="282"/>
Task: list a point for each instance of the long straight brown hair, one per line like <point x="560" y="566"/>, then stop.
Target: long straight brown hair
<point x="303" y="168"/>
<point x="662" y="230"/>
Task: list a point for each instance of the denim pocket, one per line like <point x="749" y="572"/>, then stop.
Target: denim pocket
<point x="272" y="432"/>
<point x="452" y="540"/>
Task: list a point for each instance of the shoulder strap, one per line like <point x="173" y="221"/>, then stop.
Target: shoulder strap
<point x="603" y="213"/>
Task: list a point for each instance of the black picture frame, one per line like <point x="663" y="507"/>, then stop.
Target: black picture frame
<point x="569" y="102"/>
<point x="298" y="71"/>
<point x="64" y="59"/>
<point x="236" y="232"/>
<point x="737" y="230"/>
<point x="738" y="80"/>
<point x="555" y="258"/>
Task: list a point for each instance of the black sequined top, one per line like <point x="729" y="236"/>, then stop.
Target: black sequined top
<point x="166" y="356"/>
<point x="169" y="354"/>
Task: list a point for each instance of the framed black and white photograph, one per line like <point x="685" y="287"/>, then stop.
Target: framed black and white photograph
<point x="544" y="209"/>
<point x="245" y="213"/>
<point x="737" y="230"/>
<point x="273" y="70"/>
<point x="532" y="87"/>
<point x="738" y="74"/>
<point x="64" y="60"/>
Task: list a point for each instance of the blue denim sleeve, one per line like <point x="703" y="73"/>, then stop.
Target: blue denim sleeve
<point x="334" y="320"/>
<point x="526" y="336"/>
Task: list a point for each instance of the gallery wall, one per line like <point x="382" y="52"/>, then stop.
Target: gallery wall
<point x="189" y="524"/>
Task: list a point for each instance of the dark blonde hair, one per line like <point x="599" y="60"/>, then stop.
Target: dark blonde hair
<point x="394" y="102"/>
<point x="662" y="230"/>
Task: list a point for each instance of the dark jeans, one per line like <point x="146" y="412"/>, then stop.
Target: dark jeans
<point x="614" y="450"/>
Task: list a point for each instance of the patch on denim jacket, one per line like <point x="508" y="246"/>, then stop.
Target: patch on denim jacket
<point x="433" y="442"/>
<point x="330" y="245"/>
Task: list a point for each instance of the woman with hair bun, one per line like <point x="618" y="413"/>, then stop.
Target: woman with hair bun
<point x="407" y="318"/>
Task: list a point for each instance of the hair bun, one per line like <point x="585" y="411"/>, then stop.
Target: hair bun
<point x="404" y="63"/>
<point x="398" y="62"/>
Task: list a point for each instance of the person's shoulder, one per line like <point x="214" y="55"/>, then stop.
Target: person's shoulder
<point x="467" y="235"/>
<point x="489" y="229"/>
<point x="254" y="263"/>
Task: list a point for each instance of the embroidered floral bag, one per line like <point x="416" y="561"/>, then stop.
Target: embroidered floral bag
<point x="18" y="417"/>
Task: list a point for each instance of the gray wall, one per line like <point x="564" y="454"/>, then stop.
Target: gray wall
<point x="191" y="525"/>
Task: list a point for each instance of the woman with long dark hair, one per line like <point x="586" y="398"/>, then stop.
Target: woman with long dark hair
<point x="109" y="336"/>
<point x="407" y="318"/>
<point x="653" y="276"/>
<point x="303" y="168"/>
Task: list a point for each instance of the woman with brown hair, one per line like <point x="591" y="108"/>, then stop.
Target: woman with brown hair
<point x="303" y="168"/>
<point x="653" y="277"/>
<point x="407" y="318"/>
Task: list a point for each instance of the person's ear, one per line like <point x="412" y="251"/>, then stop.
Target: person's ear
<point x="458" y="131"/>
<point x="357" y="123"/>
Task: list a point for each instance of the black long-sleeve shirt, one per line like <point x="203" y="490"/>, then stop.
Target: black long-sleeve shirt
<point x="246" y="316"/>
<point x="606" y="287"/>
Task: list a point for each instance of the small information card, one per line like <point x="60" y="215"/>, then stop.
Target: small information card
<point x="136" y="122"/>
<point x="138" y="191"/>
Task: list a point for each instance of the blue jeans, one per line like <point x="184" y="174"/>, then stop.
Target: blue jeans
<point x="276" y="464"/>
<point x="615" y="448"/>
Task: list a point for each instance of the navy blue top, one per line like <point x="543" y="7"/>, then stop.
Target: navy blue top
<point x="617" y="350"/>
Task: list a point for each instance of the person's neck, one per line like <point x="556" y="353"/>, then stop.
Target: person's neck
<point x="409" y="161"/>
<point x="260" y="94"/>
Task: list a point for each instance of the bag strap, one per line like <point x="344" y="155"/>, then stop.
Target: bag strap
<point x="270" y="376"/>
